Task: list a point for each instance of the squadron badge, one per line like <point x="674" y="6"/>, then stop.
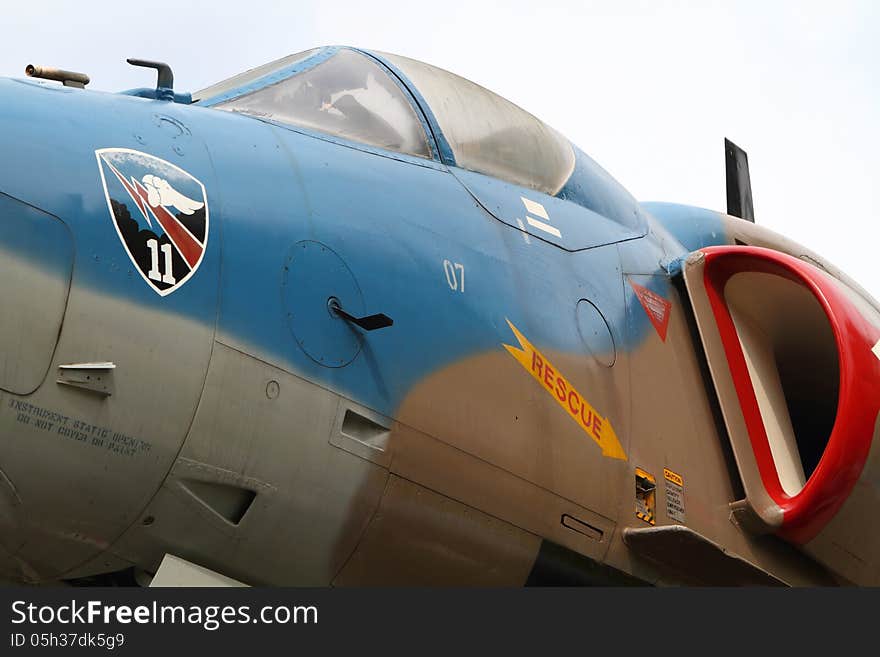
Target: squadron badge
<point x="160" y="213"/>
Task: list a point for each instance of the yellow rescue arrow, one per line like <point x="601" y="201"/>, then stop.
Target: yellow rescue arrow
<point x="578" y="408"/>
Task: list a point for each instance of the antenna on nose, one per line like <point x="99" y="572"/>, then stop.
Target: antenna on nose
<point x="67" y="78"/>
<point x="165" y="79"/>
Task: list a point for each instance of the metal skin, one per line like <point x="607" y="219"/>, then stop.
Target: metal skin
<point x="251" y="430"/>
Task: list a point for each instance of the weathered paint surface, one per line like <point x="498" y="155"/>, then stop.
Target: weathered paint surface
<point x="483" y="422"/>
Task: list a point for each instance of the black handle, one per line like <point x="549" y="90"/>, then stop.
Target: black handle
<point x="165" y="80"/>
<point x="367" y="323"/>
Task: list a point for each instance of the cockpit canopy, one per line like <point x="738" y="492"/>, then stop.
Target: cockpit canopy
<point x="346" y="94"/>
<point x="402" y="105"/>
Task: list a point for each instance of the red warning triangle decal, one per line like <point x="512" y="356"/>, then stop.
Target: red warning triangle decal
<point x="655" y="306"/>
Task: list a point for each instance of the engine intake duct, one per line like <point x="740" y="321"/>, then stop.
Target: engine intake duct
<point x="791" y="358"/>
<point x="791" y="351"/>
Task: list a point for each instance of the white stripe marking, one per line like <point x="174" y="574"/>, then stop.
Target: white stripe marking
<point x="522" y="227"/>
<point x="535" y="208"/>
<point x="876" y="349"/>
<point x="547" y="228"/>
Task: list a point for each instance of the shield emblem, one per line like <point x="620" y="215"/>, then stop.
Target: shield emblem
<point x="160" y="213"/>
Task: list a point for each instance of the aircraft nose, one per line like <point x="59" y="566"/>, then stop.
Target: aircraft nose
<point x="36" y="267"/>
<point x="36" y="261"/>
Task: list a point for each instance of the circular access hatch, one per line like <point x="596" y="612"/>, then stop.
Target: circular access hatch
<point x="313" y="276"/>
<point x="595" y="333"/>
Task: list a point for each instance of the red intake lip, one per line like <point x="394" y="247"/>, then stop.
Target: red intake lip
<point x="806" y="513"/>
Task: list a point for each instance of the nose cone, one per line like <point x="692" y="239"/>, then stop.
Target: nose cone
<point x="38" y="493"/>
<point x="36" y="265"/>
<point x="83" y="459"/>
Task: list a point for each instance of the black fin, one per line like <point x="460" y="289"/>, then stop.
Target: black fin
<point x="739" y="184"/>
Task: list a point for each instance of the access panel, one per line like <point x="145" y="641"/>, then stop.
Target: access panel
<point x="36" y="260"/>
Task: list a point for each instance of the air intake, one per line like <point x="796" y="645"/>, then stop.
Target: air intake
<point x="792" y="355"/>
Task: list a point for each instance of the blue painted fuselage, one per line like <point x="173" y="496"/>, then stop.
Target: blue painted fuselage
<point x="296" y="218"/>
<point x="393" y="219"/>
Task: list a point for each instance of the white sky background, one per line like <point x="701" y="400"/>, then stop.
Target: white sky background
<point x="648" y="88"/>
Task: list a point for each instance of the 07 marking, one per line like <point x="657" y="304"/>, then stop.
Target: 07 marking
<point x="454" y="275"/>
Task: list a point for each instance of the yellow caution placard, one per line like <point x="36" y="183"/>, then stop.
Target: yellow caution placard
<point x="673" y="477"/>
<point x="597" y="427"/>
<point x="674" y="495"/>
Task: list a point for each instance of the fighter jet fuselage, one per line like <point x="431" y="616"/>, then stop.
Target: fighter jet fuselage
<point x="349" y="319"/>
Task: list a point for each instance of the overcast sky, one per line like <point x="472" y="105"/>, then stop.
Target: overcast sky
<point x="648" y="89"/>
